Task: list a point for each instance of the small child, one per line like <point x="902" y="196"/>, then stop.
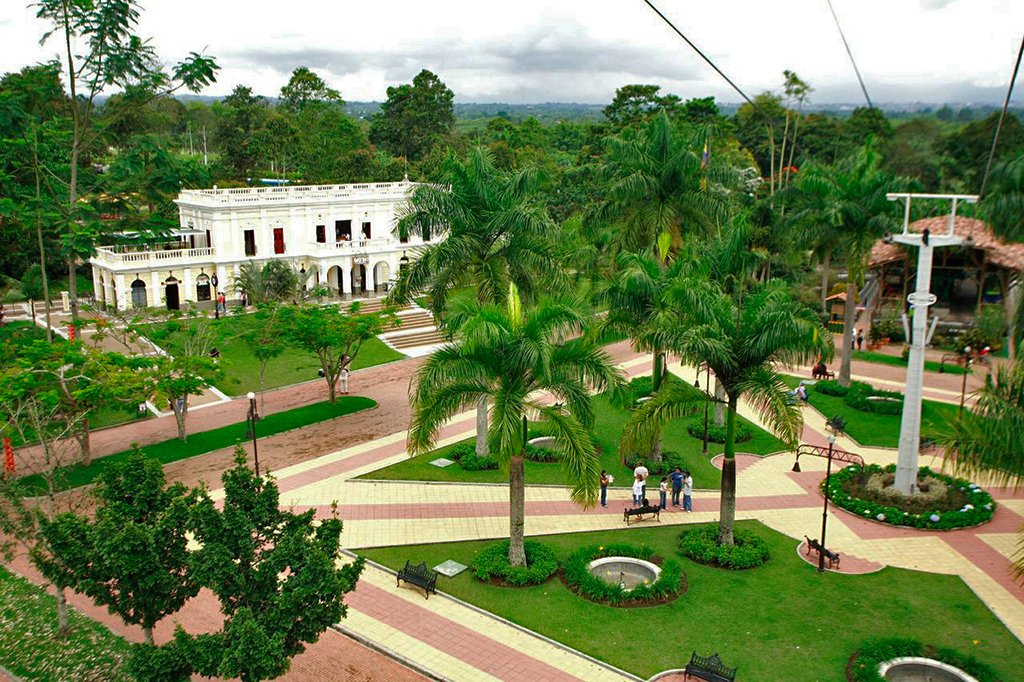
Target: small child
<point x="638" y="490"/>
<point x="663" y="491"/>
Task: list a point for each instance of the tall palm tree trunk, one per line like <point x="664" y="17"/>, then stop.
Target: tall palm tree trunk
<point x="516" y="511"/>
<point x="719" y="403"/>
<point x="657" y="376"/>
<point x="727" y="508"/>
<point x="481" y="426"/>
<point x="826" y="266"/>
<point x="849" y="315"/>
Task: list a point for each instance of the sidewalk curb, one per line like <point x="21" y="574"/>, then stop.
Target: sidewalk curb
<point x="568" y="649"/>
<point x="346" y="631"/>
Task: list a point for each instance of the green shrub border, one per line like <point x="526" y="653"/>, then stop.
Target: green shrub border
<point x="671" y="583"/>
<point x="863" y="664"/>
<point x="716" y="434"/>
<point x="465" y="455"/>
<point x="857" y="393"/>
<point x="984" y="505"/>
<point x="701" y="545"/>
<point x="491" y="564"/>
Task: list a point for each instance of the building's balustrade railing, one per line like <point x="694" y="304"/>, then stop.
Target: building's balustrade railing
<point x="361" y="245"/>
<point x="113" y="255"/>
<point x="311" y="193"/>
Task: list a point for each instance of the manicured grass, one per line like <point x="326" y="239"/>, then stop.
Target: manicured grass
<point x="207" y="441"/>
<point x="30" y="648"/>
<point x="241" y="370"/>
<point x="607" y="433"/>
<point x="781" y="621"/>
<point x="880" y="430"/>
<point x="898" y="361"/>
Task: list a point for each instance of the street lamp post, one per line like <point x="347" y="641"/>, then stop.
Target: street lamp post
<point x="250" y="420"/>
<point x="216" y="297"/>
<point x="963" y="386"/>
<point x="707" y="391"/>
<point x="824" y="511"/>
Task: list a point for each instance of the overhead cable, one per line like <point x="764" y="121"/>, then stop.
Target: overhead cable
<point x="850" y="54"/>
<point x="1002" y="116"/>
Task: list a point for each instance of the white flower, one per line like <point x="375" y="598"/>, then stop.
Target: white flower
<point x="880" y="517"/>
<point x="934" y="518"/>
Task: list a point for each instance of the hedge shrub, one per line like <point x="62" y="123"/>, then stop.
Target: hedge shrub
<point x="831" y="387"/>
<point x="670" y="582"/>
<point x="491" y="563"/>
<point x="843" y="483"/>
<point x="857" y="395"/>
<point x="866" y="660"/>
<point x="669" y="461"/>
<point x="465" y="455"/>
<point x="716" y="434"/>
<point x="535" y="454"/>
<point x="641" y="387"/>
<point x="701" y="545"/>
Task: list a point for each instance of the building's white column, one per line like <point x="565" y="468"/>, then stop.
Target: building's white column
<point x="121" y="295"/>
<point x="368" y="267"/>
<point x="97" y="283"/>
<point x="156" y="298"/>
<point x="189" y="293"/>
<point x="346" y="276"/>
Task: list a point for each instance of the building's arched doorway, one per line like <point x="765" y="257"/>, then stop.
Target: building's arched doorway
<point x="334" y="279"/>
<point x="139" y="299"/>
<point x="358" y="279"/>
<point x="171" y="294"/>
<point x="381" y="275"/>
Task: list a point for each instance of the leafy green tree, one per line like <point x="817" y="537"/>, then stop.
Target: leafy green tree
<point x="867" y="122"/>
<point x="1003" y="207"/>
<point x="276" y="574"/>
<point x="273" y="281"/>
<point x="265" y="339"/>
<point x="636" y="104"/>
<point x="147" y="173"/>
<point x="915" y="151"/>
<point x="414" y="117"/>
<point x="133" y="557"/>
<point x="968" y="149"/>
<point x="240" y="116"/>
<point x="796" y="91"/>
<point x="189" y="369"/>
<point x="507" y="356"/>
<point x="332" y="335"/>
<point x="278" y="142"/>
<point x="327" y="140"/>
<point x="755" y="133"/>
<point x="741" y="337"/>
<point x="304" y="88"/>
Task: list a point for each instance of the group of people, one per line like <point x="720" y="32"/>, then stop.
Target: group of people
<point x="680" y="481"/>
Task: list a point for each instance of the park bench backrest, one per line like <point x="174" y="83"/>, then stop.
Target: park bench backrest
<point x="710" y="665"/>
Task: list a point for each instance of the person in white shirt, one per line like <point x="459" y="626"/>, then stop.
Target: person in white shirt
<point x="643" y="473"/>
<point x="638" y="491"/>
<point x="687" y="492"/>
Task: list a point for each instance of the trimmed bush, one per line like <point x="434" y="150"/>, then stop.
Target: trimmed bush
<point x="492" y="564"/>
<point x="535" y="454"/>
<point x="860" y="394"/>
<point x="669" y="461"/>
<point x="701" y="545"/>
<point x="864" y="664"/>
<point x="716" y="434"/>
<point x="465" y="455"/>
<point x="831" y="387"/>
<point x="670" y="583"/>
<point x="641" y="387"/>
<point x="977" y="505"/>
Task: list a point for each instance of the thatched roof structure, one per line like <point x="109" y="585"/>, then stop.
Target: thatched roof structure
<point x="997" y="253"/>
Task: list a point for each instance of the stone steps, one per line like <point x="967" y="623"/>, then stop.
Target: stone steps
<point x="424" y="338"/>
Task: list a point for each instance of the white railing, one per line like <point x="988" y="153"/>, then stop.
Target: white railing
<point x="113" y="255"/>
<point x="310" y="193"/>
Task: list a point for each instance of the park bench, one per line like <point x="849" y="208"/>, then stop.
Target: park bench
<point x="709" y="668"/>
<point x="836" y="424"/>
<point x="419" y="575"/>
<point x="830" y="556"/>
<point x="641" y="512"/>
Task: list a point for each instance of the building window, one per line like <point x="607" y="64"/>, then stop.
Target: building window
<point x="203" y="288"/>
<point x="366" y="230"/>
<point x="209" y="242"/>
<point x="250" y="242"/>
<point x="139" y="299"/>
<point x="342" y="230"/>
<point x="321" y="234"/>
<point x="278" y="240"/>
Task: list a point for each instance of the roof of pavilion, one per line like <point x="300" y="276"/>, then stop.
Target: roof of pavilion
<point x="998" y="253"/>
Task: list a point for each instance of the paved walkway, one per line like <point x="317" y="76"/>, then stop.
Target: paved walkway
<point x="477" y="646"/>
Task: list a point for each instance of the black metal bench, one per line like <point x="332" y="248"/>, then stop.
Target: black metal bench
<point x="830" y="556"/>
<point x="641" y="512"/>
<point x="419" y="575"/>
<point x="836" y="424"/>
<point x="709" y="668"/>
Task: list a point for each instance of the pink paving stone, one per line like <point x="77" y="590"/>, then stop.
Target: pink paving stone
<point x="742" y="461"/>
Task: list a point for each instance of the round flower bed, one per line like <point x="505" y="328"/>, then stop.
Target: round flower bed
<point x="863" y="664"/>
<point x="669" y="585"/>
<point x="716" y="434"/>
<point x="944" y="502"/>
<point x="701" y="545"/>
<point x="863" y="396"/>
<point x="491" y="565"/>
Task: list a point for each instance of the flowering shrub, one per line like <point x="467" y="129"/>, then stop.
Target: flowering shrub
<point x="492" y="563"/>
<point x="977" y="510"/>
<point x="701" y="545"/>
<point x="670" y="582"/>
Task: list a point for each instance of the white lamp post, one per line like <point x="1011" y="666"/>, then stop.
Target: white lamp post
<point x="921" y="299"/>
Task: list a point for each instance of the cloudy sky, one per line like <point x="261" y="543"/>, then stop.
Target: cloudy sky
<point x="581" y="50"/>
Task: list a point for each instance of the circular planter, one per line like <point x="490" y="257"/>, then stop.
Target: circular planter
<point x="581" y="576"/>
<point x="626" y="572"/>
<point x="546" y="442"/>
<point x="913" y="668"/>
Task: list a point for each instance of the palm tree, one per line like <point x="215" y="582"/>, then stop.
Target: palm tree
<point x="274" y="281"/>
<point x="987" y="440"/>
<point x="741" y="338"/>
<point x="658" y="192"/>
<point x="498" y="232"/>
<point x="1003" y="208"/>
<point x="848" y="202"/>
<point x="508" y="356"/>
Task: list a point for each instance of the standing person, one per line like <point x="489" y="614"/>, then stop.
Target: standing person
<point x="677" y="485"/>
<point x="643" y="473"/>
<point x="663" y="492"/>
<point x="344" y="381"/>
<point x="853" y="338"/>
<point x="687" y="492"/>
<point x="221" y="306"/>
<point x="605" y="480"/>
<point x="860" y="339"/>
<point x="638" y="491"/>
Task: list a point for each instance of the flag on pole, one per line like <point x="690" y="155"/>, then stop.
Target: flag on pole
<point x="706" y="156"/>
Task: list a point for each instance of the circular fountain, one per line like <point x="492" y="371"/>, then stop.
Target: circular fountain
<point x="917" y="669"/>
<point x="624" y="571"/>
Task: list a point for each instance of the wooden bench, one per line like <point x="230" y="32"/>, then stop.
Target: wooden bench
<point x="836" y="424"/>
<point x="830" y="556"/>
<point x="709" y="668"/>
<point x="641" y="512"/>
<point x="419" y="575"/>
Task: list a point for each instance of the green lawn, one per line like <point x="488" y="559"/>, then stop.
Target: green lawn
<point x="30" y="648"/>
<point x="241" y="371"/>
<point x="898" y="361"/>
<point x="781" y="621"/>
<point x="207" y="441"/>
<point x="880" y="430"/>
<point x="608" y="429"/>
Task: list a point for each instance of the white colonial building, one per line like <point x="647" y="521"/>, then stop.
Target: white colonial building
<point x="343" y="235"/>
